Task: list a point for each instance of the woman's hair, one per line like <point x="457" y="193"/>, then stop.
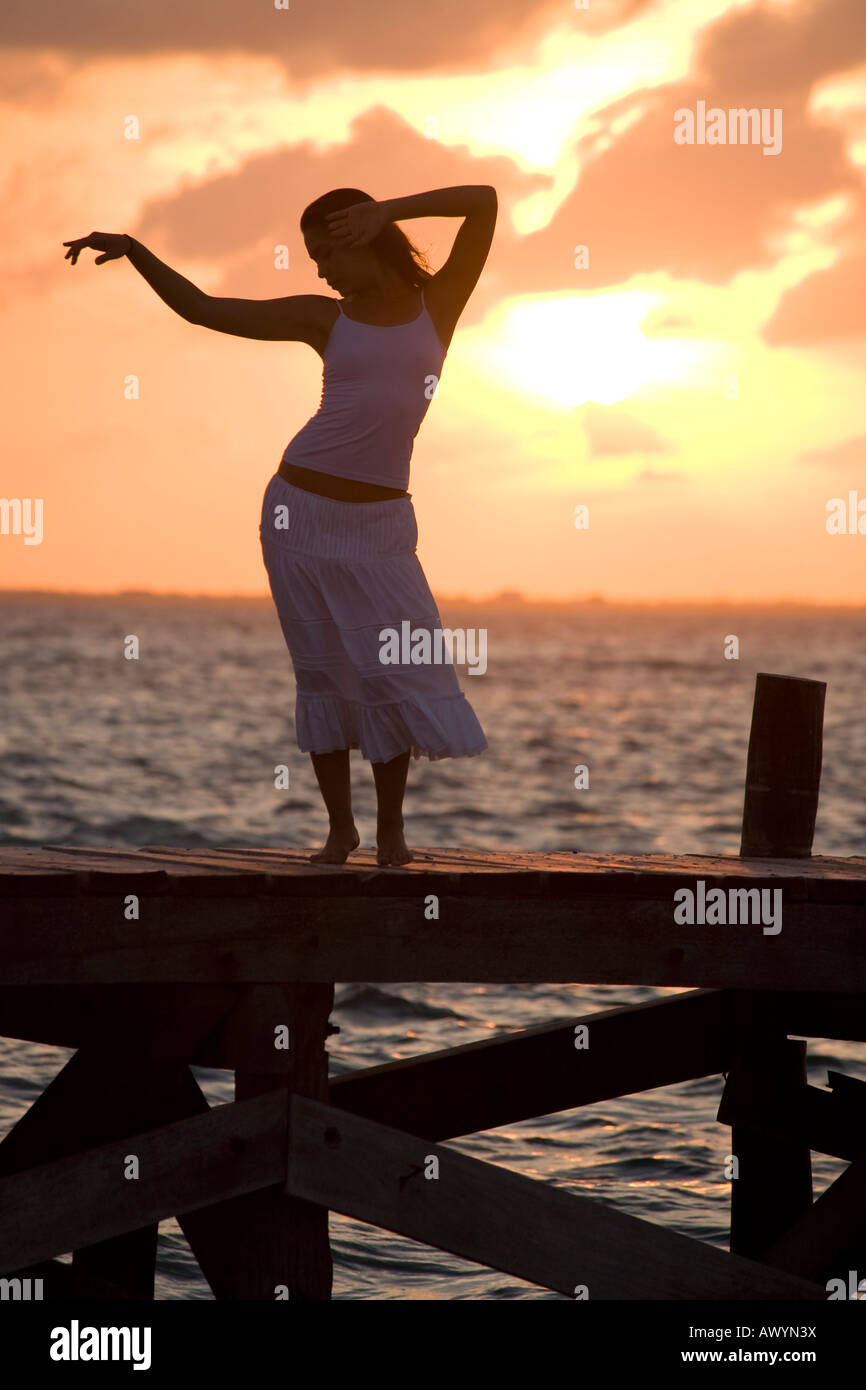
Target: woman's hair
<point x="392" y="244"/>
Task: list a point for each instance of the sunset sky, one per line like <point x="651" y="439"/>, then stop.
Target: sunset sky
<point x="699" y="385"/>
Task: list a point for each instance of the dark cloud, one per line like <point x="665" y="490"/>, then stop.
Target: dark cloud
<point x="706" y="212"/>
<point x="312" y="38"/>
<point x="782" y="53"/>
<point x="826" y="306"/>
<point x="645" y="204"/>
<point x="32" y="78"/>
<point x="610" y="432"/>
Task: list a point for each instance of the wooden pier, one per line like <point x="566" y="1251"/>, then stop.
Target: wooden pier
<point x="149" y="961"/>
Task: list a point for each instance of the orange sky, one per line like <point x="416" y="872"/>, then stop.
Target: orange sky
<point x="698" y="386"/>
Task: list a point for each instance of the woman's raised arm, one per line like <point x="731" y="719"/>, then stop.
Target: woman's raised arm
<point x="460" y="201"/>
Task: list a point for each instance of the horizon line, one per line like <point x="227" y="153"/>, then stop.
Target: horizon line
<point x="514" y="597"/>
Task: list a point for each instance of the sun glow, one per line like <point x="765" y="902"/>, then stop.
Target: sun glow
<point x="568" y="351"/>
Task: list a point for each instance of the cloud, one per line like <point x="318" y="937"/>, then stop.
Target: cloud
<point x="851" y="453"/>
<point x="310" y="37"/>
<point x="651" y="475"/>
<point x="661" y="322"/>
<point x="616" y="432"/>
<point x="782" y="53"/>
<point x="829" y="304"/>
<point x="244" y="214"/>
<point x="644" y="204"/>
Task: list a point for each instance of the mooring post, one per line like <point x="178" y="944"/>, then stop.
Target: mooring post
<point x="783" y="769"/>
<point x="772" y="1185"/>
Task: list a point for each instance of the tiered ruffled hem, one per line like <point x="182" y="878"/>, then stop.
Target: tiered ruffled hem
<point x="434" y="729"/>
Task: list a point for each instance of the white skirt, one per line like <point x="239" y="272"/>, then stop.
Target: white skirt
<point x="341" y="572"/>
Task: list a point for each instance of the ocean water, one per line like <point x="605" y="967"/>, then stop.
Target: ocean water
<point x="179" y="747"/>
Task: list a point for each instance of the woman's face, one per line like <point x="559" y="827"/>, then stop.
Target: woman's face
<point x="340" y="265"/>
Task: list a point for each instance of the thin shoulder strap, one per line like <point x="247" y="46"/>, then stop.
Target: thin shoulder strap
<point x="340" y="307"/>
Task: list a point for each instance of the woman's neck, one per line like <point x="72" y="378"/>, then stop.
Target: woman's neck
<point x="374" y="299"/>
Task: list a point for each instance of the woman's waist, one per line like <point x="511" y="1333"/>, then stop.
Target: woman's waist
<point x="334" y="485"/>
<point x="301" y="522"/>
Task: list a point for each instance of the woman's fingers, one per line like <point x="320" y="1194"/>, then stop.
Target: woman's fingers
<point x="76" y="246"/>
<point x="106" y="242"/>
<point x="340" y="224"/>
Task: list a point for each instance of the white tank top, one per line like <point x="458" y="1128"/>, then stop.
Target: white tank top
<point x="377" y="383"/>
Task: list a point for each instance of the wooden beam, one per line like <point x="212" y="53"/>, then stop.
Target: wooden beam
<point x="829" y="1239"/>
<point x="811" y="1015"/>
<point x="541" y="1070"/>
<point x="501" y="1219"/>
<point x="234" y="940"/>
<point x="186" y="1165"/>
<point x="128" y="1075"/>
<point x="59" y="1015"/>
<point x="827" y="1122"/>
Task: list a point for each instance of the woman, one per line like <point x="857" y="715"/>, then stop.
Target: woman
<point x="338" y="528"/>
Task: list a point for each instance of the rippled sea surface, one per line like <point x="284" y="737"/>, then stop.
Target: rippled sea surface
<point x="179" y="747"/>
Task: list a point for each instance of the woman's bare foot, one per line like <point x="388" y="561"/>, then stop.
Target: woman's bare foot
<point x="391" y="847"/>
<point x="338" y="846"/>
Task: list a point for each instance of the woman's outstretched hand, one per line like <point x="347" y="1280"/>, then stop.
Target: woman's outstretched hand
<point x="113" y="245"/>
<point x="356" y="225"/>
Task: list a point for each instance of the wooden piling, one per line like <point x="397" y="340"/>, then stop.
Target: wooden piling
<point x="783" y="769"/>
<point x="773" y="1183"/>
<point x="265" y="1244"/>
<point x="772" y="1186"/>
